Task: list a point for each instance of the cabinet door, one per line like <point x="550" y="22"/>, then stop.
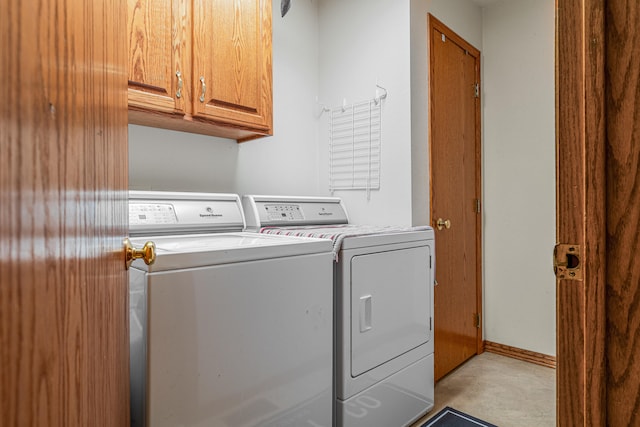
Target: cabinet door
<point x="157" y="49"/>
<point x="232" y="62"/>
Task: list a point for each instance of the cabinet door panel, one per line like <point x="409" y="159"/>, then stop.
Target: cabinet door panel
<point x="156" y="31"/>
<point x="232" y="53"/>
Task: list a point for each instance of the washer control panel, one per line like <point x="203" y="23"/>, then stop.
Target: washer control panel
<point x="152" y="213"/>
<point x="172" y="212"/>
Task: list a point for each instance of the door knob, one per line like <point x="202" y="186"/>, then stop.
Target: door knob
<point x="147" y="253"/>
<point x="443" y="223"/>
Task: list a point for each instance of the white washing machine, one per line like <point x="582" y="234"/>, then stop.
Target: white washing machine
<point x="383" y="281"/>
<point x="227" y="328"/>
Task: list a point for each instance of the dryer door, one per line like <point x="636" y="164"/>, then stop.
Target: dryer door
<point x="390" y="305"/>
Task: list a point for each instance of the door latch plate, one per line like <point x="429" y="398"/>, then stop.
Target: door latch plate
<point x="567" y="262"/>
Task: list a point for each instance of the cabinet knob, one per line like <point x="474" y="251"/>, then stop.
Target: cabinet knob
<point x="204" y="88"/>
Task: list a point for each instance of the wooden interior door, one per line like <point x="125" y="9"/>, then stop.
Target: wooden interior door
<point x="63" y="288"/>
<point x="158" y="55"/>
<point x="455" y="194"/>
<point x="232" y="62"/>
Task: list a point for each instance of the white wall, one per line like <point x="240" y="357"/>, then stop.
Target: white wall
<point x="519" y="174"/>
<point x="465" y="18"/>
<point x="176" y="161"/>
<point x="363" y="42"/>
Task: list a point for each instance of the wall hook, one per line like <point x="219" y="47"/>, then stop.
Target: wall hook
<point x="378" y="97"/>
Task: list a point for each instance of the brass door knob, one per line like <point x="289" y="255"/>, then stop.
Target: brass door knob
<point x="442" y="223"/>
<point x="147" y="253"/>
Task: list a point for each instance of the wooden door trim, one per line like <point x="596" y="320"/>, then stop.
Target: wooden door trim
<point x="580" y="172"/>
<point x="435" y="24"/>
<point x="520" y="354"/>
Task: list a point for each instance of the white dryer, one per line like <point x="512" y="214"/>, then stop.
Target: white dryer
<point x="383" y="278"/>
<point x="227" y="328"/>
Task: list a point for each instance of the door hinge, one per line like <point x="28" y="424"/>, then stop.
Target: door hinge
<point x="476" y="90"/>
<point x="477" y="315"/>
<point x="566" y="262"/>
<point x="477" y="205"/>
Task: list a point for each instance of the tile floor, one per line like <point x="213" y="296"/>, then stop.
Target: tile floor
<point x="500" y="390"/>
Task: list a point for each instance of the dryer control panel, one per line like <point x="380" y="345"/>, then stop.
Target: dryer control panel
<point x="265" y="211"/>
<point x="283" y="212"/>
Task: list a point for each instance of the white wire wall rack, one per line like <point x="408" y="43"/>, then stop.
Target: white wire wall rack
<point x="355" y="137"/>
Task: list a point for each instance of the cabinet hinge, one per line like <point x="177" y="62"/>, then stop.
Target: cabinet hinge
<point x="477" y="205"/>
<point x="477" y="315"/>
<point x="476" y="90"/>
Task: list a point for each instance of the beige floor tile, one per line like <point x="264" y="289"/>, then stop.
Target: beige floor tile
<point x="500" y="390"/>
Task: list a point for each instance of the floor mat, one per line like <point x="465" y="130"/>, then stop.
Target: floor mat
<point x="450" y="417"/>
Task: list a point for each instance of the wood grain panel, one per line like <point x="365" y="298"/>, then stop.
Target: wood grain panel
<point x="232" y="52"/>
<point x="156" y="31"/>
<point x="233" y="62"/>
<point x="63" y="180"/>
<point x="581" y="210"/>
<point x="623" y="212"/>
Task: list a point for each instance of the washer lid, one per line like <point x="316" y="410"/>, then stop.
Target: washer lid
<point x="200" y="250"/>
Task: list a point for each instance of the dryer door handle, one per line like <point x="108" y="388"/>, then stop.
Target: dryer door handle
<point x="365" y="313"/>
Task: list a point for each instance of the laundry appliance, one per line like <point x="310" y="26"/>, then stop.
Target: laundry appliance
<point x="383" y="286"/>
<point x="227" y="328"/>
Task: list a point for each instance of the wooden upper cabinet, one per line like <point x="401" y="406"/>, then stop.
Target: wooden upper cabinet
<point x="156" y="31"/>
<point x="222" y="50"/>
<point x="232" y="61"/>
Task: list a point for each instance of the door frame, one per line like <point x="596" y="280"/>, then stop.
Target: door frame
<point x="435" y="24"/>
<point x="581" y="211"/>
